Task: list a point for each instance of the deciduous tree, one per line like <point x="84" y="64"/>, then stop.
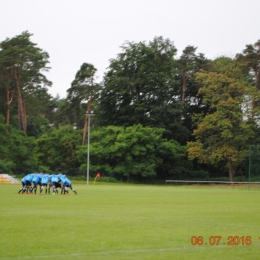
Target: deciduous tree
<point x="16" y="148"/>
<point x="222" y="136"/>
<point x="133" y="152"/>
<point x="140" y="87"/>
<point x="57" y="150"/>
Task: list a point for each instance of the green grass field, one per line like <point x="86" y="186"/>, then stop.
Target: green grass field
<point x="129" y="222"/>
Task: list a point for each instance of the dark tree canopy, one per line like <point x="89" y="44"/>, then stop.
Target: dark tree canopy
<point x="140" y="87"/>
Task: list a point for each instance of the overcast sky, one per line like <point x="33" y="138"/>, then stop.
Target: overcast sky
<point x="92" y="31"/>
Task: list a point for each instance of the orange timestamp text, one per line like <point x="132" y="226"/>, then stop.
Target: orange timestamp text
<point x="219" y="240"/>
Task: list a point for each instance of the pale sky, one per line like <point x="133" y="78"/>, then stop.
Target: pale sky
<point x="92" y="31"/>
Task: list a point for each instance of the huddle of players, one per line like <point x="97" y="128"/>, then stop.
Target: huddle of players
<point x="47" y="181"/>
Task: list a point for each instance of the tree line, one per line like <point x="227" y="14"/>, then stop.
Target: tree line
<point x="157" y="115"/>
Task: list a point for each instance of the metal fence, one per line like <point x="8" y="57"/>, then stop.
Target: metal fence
<point x="211" y="183"/>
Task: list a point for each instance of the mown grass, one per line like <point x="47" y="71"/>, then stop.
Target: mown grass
<point x="128" y="222"/>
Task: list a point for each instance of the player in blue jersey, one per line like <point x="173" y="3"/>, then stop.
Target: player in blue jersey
<point x="24" y="187"/>
<point x="28" y="183"/>
<point x="59" y="185"/>
<point x="44" y="182"/>
<point x="63" y="180"/>
<point x="49" y="184"/>
<point x="36" y="181"/>
<point x="66" y="183"/>
<point x="54" y="183"/>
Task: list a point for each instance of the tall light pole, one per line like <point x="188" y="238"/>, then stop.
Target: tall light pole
<point x="89" y="113"/>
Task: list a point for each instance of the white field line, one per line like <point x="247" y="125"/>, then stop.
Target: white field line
<point x="112" y="252"/>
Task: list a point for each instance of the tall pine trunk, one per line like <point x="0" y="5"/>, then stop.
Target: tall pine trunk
<point x="257" y="87"/>
<point x="24" y="114"/>
<point x="21" y="117"/>
<point x="183" y="89"/>
<point x="9" y="95"/>
<point x="8" y="107"/>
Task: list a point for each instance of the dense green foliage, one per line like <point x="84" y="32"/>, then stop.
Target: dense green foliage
<point x="156" y="115"/>
<point x="141" y="87"/>
<point x="57" y="150"/>
<point x="16" y="150"/>
<point x="133" y="152"/>
<point x="222" y="137"/>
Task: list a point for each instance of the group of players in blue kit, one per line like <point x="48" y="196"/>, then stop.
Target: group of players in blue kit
<point x="46" y="181"/>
